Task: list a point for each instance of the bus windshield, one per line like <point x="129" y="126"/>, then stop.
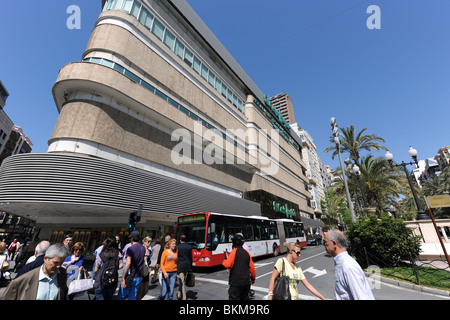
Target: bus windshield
<point x="194" y="229"/>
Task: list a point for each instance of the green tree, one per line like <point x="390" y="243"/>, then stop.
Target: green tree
<point x="353" y="143"/>
<point x="334" y="206"/>
<point x="438" y="185"/>
<point x="381" y="185"/>
<point x="387" y="241"/>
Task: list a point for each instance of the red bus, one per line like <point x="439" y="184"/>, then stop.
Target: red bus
<point x="210" y="234"/>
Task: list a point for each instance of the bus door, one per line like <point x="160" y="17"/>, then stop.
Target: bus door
<point x="282" y="235"/>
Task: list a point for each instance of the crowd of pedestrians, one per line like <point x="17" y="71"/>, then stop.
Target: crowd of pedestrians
<point x="49" y="269"/>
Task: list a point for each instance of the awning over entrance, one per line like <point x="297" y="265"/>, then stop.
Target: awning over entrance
<point x="312" y="223"/>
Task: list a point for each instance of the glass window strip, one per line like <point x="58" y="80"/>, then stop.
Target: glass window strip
<point x="127" y="6"/>
<point x="136" y="9"/>
<point x="118" y="4"/>
<point x="158" y="29"/>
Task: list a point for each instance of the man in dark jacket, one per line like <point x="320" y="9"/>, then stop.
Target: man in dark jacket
<point x="242" y="270"/>
<point x="48" y="282"/>
<point x="184" y="266"/>
<point x="39" y="253"/>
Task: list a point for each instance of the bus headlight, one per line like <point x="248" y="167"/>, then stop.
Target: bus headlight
<point x="204" y="259"/>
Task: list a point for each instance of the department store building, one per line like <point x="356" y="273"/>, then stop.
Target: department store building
<point x="159" y="114"/>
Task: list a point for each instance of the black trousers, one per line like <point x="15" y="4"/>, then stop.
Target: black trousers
<point x="239" y="292"/>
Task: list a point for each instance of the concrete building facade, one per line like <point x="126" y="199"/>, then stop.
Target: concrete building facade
<point x="158" y="114"/>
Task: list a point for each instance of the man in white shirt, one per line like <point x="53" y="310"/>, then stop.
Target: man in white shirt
<point x="351" y="282"/>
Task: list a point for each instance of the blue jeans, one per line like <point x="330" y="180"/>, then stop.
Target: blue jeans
<point x="131" y="291"/>
<point x="168" y="285"/>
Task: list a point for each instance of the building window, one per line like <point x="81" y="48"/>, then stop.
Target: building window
<point x="136" y="9"/>
<point x="158" y="29"/>
<point x="146" y="18"/>
<point x="169" y="39"/>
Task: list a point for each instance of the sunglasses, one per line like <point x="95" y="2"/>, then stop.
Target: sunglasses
<point x="296" y="252"/>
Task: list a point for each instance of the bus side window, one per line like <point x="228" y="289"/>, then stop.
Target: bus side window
<point x="264" y="232"/>
<point x="216" y="237"/>
<point x="273" y="232"/>
<point x="233" y="229"/>
<point x="248" y="232"/>
<point x="257" y="232"/>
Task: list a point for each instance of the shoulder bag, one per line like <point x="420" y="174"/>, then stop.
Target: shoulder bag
<point x="190" y="279"/>
<point x="81" y="285"/>
<point x="281" y="287"/>
<point x="5" y="264"/>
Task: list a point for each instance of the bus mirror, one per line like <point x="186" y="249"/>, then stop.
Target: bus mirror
<point x="213" y="228"/>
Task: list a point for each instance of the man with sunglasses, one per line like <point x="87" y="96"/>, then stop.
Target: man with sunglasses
<point x="351" y="283"/>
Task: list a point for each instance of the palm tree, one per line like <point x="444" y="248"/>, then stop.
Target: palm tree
<point x="433" y="186"/>
<point x="438" y="185"/>
<point x="354" y="143"/>
<point x="381" y="185"/>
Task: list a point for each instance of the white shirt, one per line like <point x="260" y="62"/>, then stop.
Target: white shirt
<point x="350" y="280"/>
<point x="48" y="286"/>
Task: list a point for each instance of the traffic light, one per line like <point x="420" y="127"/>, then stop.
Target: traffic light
<point x="134" y="218"/>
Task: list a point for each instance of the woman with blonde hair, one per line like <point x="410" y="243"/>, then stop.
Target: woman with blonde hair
<point x="169" y="267"/>
<point x="287" y="266"/>
<point x="3" y="257"/>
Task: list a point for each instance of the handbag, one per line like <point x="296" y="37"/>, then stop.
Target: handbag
<point x="128" y="280"/>
<point x="145" y="269"/>
<point x="281" y="288"/>
<point x="190" y="279"/>
<point x="5" y="264"/>
<point x="81" y="285"/>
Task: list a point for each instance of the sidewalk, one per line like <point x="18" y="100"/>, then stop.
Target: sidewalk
<point x="411" y="286"/>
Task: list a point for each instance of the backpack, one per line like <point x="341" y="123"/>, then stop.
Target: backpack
<point x="110" y="270"/>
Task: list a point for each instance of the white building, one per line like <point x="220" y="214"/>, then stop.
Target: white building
<point x="313" y="172"/>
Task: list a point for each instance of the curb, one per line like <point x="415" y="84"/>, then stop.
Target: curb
<point x="410" y="286"/>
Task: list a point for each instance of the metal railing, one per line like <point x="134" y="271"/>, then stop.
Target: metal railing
<point x="430" y="273"/>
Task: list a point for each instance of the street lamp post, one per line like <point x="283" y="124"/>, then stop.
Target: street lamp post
<point x="335" y="129"/>
<point x="353" y="167"/>
<point x="421" y="215"/>
<point x="358" y="176"/>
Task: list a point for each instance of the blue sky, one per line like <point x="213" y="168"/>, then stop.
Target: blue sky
<point x="394" y="81"/>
